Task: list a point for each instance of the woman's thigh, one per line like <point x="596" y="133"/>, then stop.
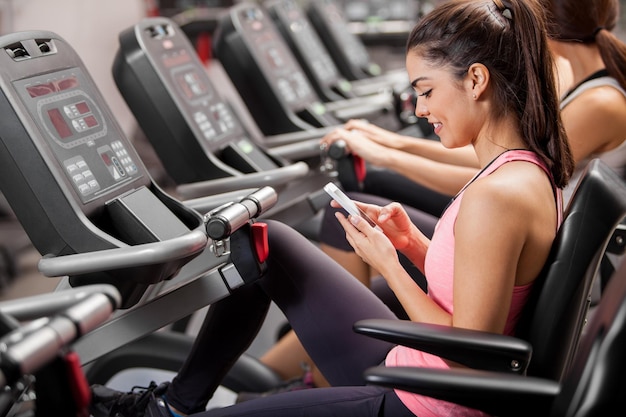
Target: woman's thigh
<point x="322" y="301"/>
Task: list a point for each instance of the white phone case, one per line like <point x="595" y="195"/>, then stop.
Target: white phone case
<point x="346" y="203"/>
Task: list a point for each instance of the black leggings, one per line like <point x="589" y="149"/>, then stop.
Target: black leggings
<point x="322" y="301"/>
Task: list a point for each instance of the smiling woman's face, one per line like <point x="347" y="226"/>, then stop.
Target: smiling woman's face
<point x="443" y="100"/>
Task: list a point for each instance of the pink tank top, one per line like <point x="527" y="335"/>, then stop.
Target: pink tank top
<point x="439" y="263"/>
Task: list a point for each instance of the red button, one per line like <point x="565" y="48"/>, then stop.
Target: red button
<point x="77" y="381"/>
<point x="359" y="167"/>
<point x="260" y="241"/>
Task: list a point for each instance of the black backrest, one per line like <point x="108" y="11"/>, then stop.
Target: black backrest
<point x="553" y="318"/>
<point x="596" y="384"/>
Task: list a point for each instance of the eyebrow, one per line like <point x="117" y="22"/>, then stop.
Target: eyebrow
<point x="417" y="80"/>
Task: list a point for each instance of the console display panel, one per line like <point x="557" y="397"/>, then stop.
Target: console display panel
<point x="309" y="43"/>
<point x="356" y="52"/>
<point x="94" y="157"/>
<point x="211" y="120"/>
<point x="274" y="56"/>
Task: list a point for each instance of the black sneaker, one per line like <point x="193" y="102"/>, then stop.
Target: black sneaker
<point x="139" y="402"/>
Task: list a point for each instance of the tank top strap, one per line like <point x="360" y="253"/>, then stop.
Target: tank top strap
<point x="593" y="83"/>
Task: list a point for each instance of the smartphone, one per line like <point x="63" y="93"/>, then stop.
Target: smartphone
<point x="347" y="204"/>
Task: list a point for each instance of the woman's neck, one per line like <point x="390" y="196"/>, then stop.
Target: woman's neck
<point x="496" y="140"/>
<point x="584" y="59"/>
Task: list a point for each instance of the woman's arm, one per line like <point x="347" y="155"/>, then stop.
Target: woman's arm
<point x="504" y="230"/>
<point x="489" y="234"/>
<point x="441" y="177"/>
<point x="502" y="239"/>
<point x="377" y="250"/>
<point x="427" y="148"/>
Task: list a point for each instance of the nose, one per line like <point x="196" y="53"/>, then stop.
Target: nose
<point x="421" y="110"/>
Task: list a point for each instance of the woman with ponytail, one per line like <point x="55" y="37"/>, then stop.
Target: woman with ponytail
<point x="592" y="97"/>
<point x="484" y="77"/>
<point x="592" y="93"/>
<point x="593" y="107"/>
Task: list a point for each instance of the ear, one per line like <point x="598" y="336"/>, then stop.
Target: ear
<point x="477" y="79"/>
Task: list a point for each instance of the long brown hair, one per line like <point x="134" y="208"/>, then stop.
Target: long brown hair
<point x="509" y="38"/>
<point x="589" y="21"/>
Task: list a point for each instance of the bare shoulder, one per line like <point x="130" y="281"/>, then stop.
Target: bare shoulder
<point x="599" y="101"/>
<point x="515" y="190"/>
<point x="509" y="218"/>
<point x="596" y="120"/>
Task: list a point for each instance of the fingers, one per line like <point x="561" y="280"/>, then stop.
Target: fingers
<point x="353" y="224"/>
<point x="334" y="136"/>
<point x="390" y="210"/>
<point x="350" y="136"/>
<point x="356" y="124"/>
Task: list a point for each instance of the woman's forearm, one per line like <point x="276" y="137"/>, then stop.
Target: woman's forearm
<point x="435" y="151"/>
<point x="441" y="177"/>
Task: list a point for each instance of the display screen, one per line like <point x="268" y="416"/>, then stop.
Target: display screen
<point x="176" y="58"/>
<point x="191" y="84"/>
<point x="82" y="108"/>
<point x="69" y="119"/>
<point x="59" y="123"/>
<point x="64" y="107"/>
<point x="43" y="89"/>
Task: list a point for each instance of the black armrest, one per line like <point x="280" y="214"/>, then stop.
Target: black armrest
<point x="474" y="349"/>
<point x="492" y="392"/>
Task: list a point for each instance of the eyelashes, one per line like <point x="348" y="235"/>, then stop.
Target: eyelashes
<point x="426" y="93"/>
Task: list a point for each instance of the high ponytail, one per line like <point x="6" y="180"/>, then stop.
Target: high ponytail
<point x="613" y="53"/>
<point x="541" y="120"/>
<point x="589" y="21"/>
